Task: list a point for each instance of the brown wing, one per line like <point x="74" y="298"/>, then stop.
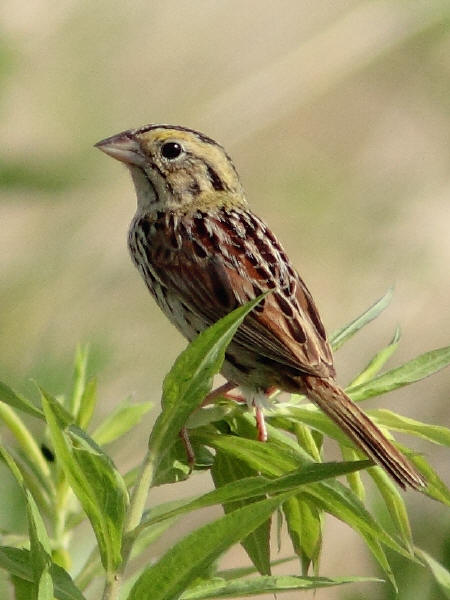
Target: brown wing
<point x="223" y="261"/>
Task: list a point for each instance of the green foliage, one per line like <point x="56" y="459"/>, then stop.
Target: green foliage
<point x="252" y="482"/>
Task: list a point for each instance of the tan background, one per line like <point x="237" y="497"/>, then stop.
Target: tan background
<point x="337" y="114"/>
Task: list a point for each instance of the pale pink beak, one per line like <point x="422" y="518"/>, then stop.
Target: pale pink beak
<point x="123" y="147"/>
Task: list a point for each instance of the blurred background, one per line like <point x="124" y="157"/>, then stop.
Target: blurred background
<point x="337" y="115"/>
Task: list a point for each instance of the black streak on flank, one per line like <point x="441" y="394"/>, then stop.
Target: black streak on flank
<point x="221" y="289"/>
<point x="217" y="183"/>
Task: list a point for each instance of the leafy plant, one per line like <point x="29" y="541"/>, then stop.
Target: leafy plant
<point x="252" y="481"/>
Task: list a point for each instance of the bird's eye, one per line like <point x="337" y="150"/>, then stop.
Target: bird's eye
<point x="171" y="150"/>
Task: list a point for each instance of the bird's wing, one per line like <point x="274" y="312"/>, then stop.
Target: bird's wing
<point x="215" y="270"/>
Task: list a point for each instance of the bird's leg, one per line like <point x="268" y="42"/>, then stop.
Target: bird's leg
<point x="222" y="390"/>
<point x="260" y="423"/>
<point x="259" y="416"/>
<point x="190" y="454"/>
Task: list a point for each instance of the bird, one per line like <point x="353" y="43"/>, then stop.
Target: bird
<point x="202" y="252"/>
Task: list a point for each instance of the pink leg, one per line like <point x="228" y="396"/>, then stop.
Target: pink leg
<point x="260" y="424"/>
<point x="184" y="435"/>
<point x="190" y="454"/>
<point x="222" y="390"/>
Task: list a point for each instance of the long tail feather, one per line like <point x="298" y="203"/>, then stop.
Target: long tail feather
<point x="349" y="417"/>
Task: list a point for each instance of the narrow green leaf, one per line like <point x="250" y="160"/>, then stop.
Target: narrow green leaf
<point x="306" y="440"/>
<point x="190" y="379"/>
<point x="123" y="418"/>
<point x="12" y="398"/>
<point x="39" y="541"/>
<point x="440" y="573"/>
<point x="305" y="530"/>
<point x="251" y="487"/>
<point x="354" y="479"/>
<point x="270" y="458"/>
<point x="437" y="434"/>
<point x="189" y="558"/>
<point x="257" y="543"/>
<point x="173" y="466"/>
<point x="17" y="561"/>
<point x="208" y="414"/>
<point x="342" y="335"/>
<point x="45" y="586"/>
<point x="79" y="379"/>
<point x="414" y="370"/>
<point x="63" y="417"/>
<point x="40" y="550"/>
<point x="378" y="361"/>
<point x="395" y="505"/>
<point x="238" y="572"/>
<point x="87" y="403"/>
<point x="266" y="585"/>
<point x="344" y="505"/>
<point x="27" y="443"/>
<point x="436" y="488"/>
<point x="313" y="417"/>
<point x="96" y="483"/>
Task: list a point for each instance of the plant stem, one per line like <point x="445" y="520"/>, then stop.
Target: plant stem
<point x="134" y="515"/>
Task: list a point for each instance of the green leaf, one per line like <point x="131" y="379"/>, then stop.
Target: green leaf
<point x="190" y="379"/>
<point x="28" y="445"/>
<point x="265" y="585"/>
<point x="306" y="440"/>
<point x="63" y="417"/>
<point x="87" y="403"/>
<point x="414" y="370"/>
<point x="433" y="433"/>
<point x="123" y="418"/>
<point x="271" y="458"/>
<point x="305" y="530"/>
<point x="23" y="590"/>
<point x="354" y="479"/>
<point x="436" y="488"/>
<point x="79" y="380"/>
<point x="173" y="466"/>
<point x="251" y="487"/>
<point x="342" y="335"/>
<point x="96" y="483"/>
<point x="17" y="561"/>
<point x="189" y="558"/>
<point x="257" y="544"/>
<point x="378" y="361"/>
<point x="339" y="501"/>
<point x="238" y="572"/>
<point x="316" y="419"/>
<point x="331" y="496"/>
<point x="40" y="550"/>
<point x="439" y="572"/>
<point x="395" y="505"/>
<point x="12" y="398"/>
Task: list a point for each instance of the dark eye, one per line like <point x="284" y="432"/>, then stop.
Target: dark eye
<point x="171" y="150"/>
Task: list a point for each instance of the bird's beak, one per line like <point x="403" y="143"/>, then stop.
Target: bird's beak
<point x="123" y="147"/>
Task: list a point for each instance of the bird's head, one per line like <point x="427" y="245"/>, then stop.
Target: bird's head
<point x="175" y="168"/>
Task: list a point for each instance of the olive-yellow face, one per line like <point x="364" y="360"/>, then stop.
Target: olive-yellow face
<point x="173" y="167"/>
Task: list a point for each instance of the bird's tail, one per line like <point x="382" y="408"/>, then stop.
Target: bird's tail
<point x="349" y="417"/>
